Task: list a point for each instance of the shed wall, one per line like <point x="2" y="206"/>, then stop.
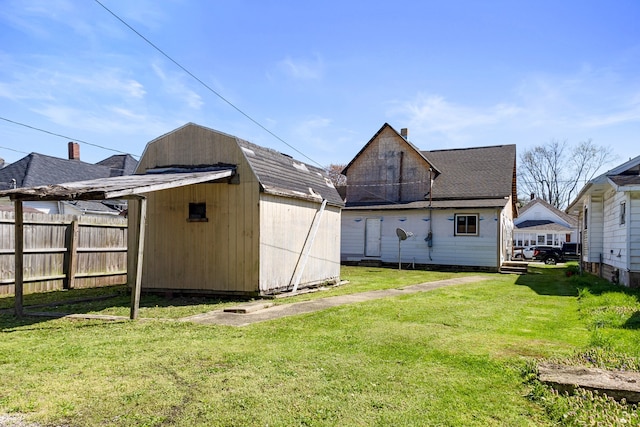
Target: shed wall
<point x="220" y="255"/>
<point x="285" y="225"/>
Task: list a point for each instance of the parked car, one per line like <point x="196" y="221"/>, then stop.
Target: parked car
<point x="571" y="251"/>
<point x="548" y="254"/>
<point x="522" y="253"/>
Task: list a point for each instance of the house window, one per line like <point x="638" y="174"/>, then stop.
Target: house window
<point x="197" y="212"/>
<point x="623" y="212"/>
<point x="586" y="216"/>
<point x="466" y="225"/>
<point x="541" y="239"/>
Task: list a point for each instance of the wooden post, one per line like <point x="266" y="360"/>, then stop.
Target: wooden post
<point x="73" y="254"/>
<point x="19" y="258"/>
<point x="139" y="255"/>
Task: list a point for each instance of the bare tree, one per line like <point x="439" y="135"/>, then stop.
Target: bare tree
<point x="335" y="174"/>
<point x="555" y="172"/>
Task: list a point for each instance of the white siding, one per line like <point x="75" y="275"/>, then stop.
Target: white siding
<point x="594" y="230"/>
<point x="285" y="225"/>
<point x="633" y="222"/>
<point x="480" y="251"/>
<point x="614" y="238"/>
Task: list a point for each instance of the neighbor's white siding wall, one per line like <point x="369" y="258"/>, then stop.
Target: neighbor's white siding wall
<point x="595" y="229"/>
<point x="614" y="238"/>
<point x="285" y="224"/>
<point x="448" y="249"/>
<point x="633" y="222"/>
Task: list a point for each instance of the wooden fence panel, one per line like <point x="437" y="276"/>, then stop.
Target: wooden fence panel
<point x="64" y="251"/>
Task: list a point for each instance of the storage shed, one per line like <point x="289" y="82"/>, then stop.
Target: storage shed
<point x="272" y="226"/>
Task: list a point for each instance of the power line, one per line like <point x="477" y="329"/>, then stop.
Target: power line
<point x="11" y="149"/>
<point x="62" y="136"/>
<point x="206" y="85"/>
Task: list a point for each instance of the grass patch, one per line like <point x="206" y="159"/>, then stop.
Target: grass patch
<point x="452" y="356"/>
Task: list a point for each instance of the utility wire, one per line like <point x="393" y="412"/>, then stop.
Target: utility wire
<point x="62" y="136"/>
<point x="206" y="85"/>
<point x="14" y="150"/>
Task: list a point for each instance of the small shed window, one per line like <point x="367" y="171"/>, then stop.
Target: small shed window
<point x="197" y="212"/>
<point x="623" y="212"/>
<point x="466" y="225"/>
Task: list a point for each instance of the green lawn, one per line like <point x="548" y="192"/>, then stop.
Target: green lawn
<point x="455" y="356"/>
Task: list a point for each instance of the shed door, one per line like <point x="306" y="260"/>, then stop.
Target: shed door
<point x="372" y="233"/>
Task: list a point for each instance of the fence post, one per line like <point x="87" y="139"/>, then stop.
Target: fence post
<point x="19" y="257"/>
<point x="72" y="259"/>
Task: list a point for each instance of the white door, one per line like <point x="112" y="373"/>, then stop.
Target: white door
<point x="372" y="234"/>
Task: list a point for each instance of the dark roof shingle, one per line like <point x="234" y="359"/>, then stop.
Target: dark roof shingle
<point x="473" y="173"/>
<point x="39" y="169"/>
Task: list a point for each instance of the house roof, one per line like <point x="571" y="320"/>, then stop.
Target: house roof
<point x="120" y="164"/>
<point x="624" y="175"/>
<point x="569" y="219"/>
<point x="542" y="224"/>
<point x="409" y="144"/>
<point x="472" y="173"/>
<point x="281" y="174"/>
<point x="39" y="169"/>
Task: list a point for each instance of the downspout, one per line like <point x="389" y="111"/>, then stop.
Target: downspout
<point x="500" y="238"/>
<point x="430" y="233"/>
<point x="400" y="176"/>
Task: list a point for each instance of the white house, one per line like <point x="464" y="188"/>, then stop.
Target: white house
<point x="608" y="209"/>
<point x="456" y="206"/>
<point x="540" y="223"/>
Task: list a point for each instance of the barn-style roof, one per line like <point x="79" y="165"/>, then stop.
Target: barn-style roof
<point x="281" y="174"/>
<point x="473" y="173"/>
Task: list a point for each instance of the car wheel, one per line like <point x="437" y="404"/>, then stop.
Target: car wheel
<point x="518" y="256"/>
<point x="551" y="260"/>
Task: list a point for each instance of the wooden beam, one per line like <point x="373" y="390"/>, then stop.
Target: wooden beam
<point x="72" y="259"/>
<point x="139" y="255"/>
<point x="19" y="258"/>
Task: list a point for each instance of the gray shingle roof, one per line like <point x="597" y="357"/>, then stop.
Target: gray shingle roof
<point x="38" y="169"/>
<point x="280" y="173"/>
<point x="473" y="173"/>
<point x="542" y="224"/>
<point x="570" y="219"/>
<point x="120" y="164"/>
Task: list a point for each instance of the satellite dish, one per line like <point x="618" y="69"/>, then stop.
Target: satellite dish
<point x="402" y="235"/>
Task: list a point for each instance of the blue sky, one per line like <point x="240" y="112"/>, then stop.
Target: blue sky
<point x="323" y="76"/>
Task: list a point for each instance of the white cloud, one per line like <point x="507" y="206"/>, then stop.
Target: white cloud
<point x="434" y="114"/>
<point x="303" y="69"/>
<point x="174" y="85"/>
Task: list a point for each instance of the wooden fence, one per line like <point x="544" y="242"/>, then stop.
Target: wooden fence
<point x="64" y="252"/>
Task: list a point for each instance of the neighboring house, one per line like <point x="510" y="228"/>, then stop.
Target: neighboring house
<point x="39" y="169"/>
<point x="456" y="205"/>
<point x="540" y="223"/>
<point x="273" y="226"/>
<point x="608" y="209"/>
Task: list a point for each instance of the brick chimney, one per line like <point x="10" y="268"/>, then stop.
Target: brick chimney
<point x="404" y="132"/>
<point x="74" y="151"/>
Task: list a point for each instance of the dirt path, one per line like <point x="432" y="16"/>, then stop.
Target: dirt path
<point x="261" y="311"/>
